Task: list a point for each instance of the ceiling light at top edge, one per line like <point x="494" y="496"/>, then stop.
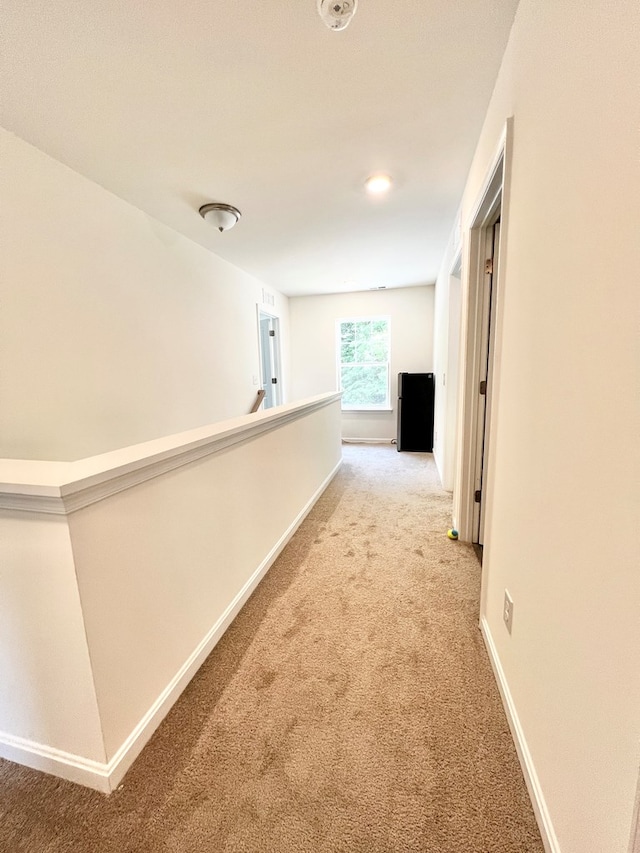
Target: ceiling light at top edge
<point x="337" y="14"/>
<point x="378" y="184"/>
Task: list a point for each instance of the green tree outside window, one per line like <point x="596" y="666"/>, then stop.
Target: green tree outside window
<point x="364" y="363"/>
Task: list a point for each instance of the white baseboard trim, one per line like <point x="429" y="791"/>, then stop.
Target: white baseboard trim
<point x="106" y="777"/>
<point x="47" y="759"/>
<point x="549" y="838"/>
<point x="368" y="440"/>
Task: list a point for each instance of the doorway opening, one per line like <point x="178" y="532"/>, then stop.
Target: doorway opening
<point x="480" y="346"/>
<point x="269" y="342"/>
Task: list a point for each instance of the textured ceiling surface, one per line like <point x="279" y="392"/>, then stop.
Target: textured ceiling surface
<point x="259" y="105"/>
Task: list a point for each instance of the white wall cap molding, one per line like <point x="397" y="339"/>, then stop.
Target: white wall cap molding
<point x="59" y="488"/>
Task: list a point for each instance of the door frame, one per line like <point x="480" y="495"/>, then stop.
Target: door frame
<point x="486" y="346"/>
<point x="492" y="196"/>
<point x="275" y="354"/>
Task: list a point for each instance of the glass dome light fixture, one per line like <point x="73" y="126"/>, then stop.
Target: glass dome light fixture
<point x="223" y="216"/>
<point x="337" y="14"/>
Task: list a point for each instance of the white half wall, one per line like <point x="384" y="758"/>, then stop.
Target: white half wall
<point x="121" y="572"/>
<point x="563" y="465"/>
<point x="114" y="329"/>
<point x="158" y="565"/>
<point x="314" y="367"/>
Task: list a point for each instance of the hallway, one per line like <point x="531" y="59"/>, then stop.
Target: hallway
<point x="350" y="707"/>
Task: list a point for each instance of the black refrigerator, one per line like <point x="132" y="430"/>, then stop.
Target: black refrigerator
<point x="415" y="411"/>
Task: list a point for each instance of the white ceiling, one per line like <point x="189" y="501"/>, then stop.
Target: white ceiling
<point x="257" y="104"/>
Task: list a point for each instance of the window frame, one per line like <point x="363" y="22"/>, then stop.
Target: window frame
<point x="363" y="407"/>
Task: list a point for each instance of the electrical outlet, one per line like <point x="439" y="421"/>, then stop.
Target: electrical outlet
<point x="507" y="611"/>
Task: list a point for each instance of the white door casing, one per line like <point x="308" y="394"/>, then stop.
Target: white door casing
<point x="269" y="348"/>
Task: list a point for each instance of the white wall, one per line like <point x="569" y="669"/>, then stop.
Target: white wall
<point x="47" y="695"/>
<point x="313" y="346"/>
<point x="114" y="329"/>
<point x="563" y="460"/>
<point x="447" y="361"/>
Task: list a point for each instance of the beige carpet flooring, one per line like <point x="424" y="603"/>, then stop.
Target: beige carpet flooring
<point x="350" y="708"/>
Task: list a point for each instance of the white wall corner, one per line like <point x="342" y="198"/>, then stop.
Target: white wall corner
<point x="439" y="468"/>
<point x="547" y="833"/>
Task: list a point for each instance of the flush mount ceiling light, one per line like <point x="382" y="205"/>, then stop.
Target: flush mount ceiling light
<point x="337" y="14"/>
<point x="378" y="184"/>
<point x="223" y="216"/>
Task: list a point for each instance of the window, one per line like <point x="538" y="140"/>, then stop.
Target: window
<point x="363" y="362"/>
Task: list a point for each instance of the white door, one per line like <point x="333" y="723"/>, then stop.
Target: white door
<point x="270" y="359"/>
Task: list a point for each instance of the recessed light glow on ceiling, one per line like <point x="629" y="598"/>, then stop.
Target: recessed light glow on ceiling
<point x="378" y="184"/>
